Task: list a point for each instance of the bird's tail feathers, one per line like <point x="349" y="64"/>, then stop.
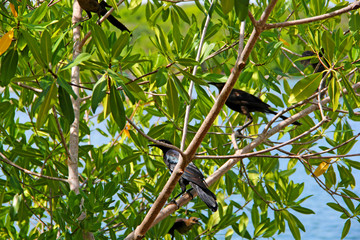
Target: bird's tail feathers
<point x="206" y="196"/>
<point x="117" y="24"/>
<point x="112" y="19"/>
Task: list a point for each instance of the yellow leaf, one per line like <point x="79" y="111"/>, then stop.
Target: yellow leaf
<point x="126" y="130"/>
<point x="285" y="42"/>
<point x="321" y="169"/>
<point x="14" y="12"/>
<point x="5" y="41"/>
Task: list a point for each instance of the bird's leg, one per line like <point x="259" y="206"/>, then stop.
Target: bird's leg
<point x="88" y="17"/>
<point x="246" y="112"/>
<point x="174" y="199"/>
<point x="189" y="192"/>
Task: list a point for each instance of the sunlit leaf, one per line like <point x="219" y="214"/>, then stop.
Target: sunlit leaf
<point x="305" y="88"/>
<point x="321" y="169"/>
<point x="5" y="41"/>
<point x="346" y="228"/>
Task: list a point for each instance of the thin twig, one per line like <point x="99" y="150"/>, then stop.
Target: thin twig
<point x="6" y="160"/>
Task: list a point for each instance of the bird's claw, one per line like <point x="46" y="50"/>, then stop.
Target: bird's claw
<point x="189" y="192"/>
<point x="238" y="133"/>
<point x="174" y="202"/>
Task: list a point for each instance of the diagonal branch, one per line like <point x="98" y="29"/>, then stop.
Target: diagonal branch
<point x="152" y="216"/>
<point x="6" y="160"/>
<point x="353" y="6"/>
<point x="188" y="107"/>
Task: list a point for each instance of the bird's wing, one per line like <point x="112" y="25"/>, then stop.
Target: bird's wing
<point x="241" y="97"/>
<point x="193" y="174"/>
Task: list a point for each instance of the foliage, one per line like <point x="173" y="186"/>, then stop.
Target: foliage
<point x="122" y="82"/>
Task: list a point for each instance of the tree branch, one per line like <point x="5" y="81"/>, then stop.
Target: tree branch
<point x="352" y="6"/>
<point x="6" y="160"/>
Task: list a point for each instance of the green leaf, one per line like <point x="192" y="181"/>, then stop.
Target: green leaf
<point x="181" y="90"/>
<point x="117" y="107"/>
<point x="227" y="6"/>
<point x="241" y="9"/>
<point x="66" y="87"/>
<point x="354" y="164"/>
<point x="274" y="99"/>
<point x="157" y="131"/>
<point x="34" y="47"/>
<point x="8" y="67"/>
<point x="99" y="93"/>
<point x="181" y="13"/>
<point x="192" y="77"/>
<point x="134" y="4"/>
<point x="335" y="206"/>
<point x="346" y="229"/>
<point x="351" y="93"/>
<point x="344" y="48"/>
<point x="334" y="93"/>
<point x="38" y="14"/>
<point x="133" y="87"/>
<point x="229" y="234"/>
<point x="66" y="105"/>
<point x="292" y="225"/>
<point x="187" y="62"/>
<point x="120" y="43"/>
<point x="100" y="38"/>
<point x="303" y="210"/>
<point x="329" y="44"/>
<point x="79" y="59"/>
<point x="4" y="106"/>
<point x="305" y="88"/>
<point x="163" y="40"/>
<point x="48" y="102"/>
<point x="273" y="193"/>
<point x="46" y="46"/>
<point x="354" y="21"/>
<point x="155" y="15"/>
<point x="173" y="102"/>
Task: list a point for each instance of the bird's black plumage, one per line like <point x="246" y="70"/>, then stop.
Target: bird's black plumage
<point x="191" y="175"/>
<point x="244" y="103"/>
<point x="100" y="8"/>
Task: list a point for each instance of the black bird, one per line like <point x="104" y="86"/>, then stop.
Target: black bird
<point x="244" y="103"/>
<point x="183" y="225"/>
<point x="94" y="6"/>
<point x="192" y="176"/>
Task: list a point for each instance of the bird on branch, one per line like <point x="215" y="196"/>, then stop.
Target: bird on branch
<point x="244" y="103"/>
<point x="183" y="225"/>
<point x="191" y="175"/>
<point x="94" y="6"/>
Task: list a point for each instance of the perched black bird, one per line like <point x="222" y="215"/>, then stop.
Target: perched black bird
<point x="183" y="225"/>
<point x="94" y="6"/>
<point x="244" y="103"/>
<point x="192" y="176"/>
